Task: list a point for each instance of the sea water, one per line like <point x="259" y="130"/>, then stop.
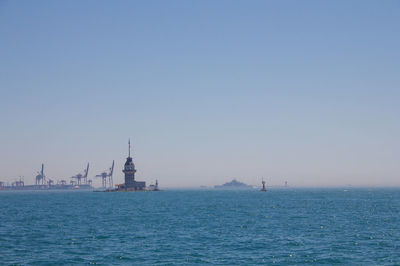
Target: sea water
<point x="281" y="227"/>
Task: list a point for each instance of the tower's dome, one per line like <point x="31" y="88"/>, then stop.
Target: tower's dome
<point x="129" y="161"/>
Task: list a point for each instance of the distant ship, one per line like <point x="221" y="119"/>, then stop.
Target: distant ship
<point x="234" y="184"/>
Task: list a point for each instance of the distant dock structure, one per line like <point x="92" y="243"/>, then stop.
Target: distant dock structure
<point x="42" y="182"/>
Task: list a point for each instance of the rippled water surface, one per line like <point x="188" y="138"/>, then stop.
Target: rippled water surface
<point x="282" y="226"/>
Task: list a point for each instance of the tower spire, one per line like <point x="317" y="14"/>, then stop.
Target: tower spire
<point x="129" y="142"/>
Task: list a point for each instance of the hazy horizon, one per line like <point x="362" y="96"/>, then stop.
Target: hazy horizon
<point x="305" y="92"/>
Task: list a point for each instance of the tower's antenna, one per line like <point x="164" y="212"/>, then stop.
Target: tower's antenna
<point x="129" y="142"/>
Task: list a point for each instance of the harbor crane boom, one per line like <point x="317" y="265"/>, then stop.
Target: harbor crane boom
<point x="40" y="178"/>
<point x="107" y="178"/>
<point x="83" y="176"/>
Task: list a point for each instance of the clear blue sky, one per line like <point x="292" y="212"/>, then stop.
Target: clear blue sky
<point x="304" y="91"/>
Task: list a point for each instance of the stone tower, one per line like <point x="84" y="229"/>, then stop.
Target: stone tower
<point x="129" y="171"/>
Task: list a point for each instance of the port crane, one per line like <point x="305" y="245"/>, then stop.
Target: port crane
<point x="104" y="176"/>
<point x="18" y="183"/>
<point x="40" y="178"/>
<point x="80" y="176"/>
